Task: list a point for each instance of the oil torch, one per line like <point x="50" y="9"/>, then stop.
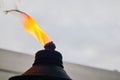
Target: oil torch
<point x="48" y="64"/>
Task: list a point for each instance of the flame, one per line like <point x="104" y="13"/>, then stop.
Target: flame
<point x="32" y="28"/>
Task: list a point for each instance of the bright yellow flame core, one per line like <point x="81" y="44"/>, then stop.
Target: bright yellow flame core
<point x="32" y="28"/>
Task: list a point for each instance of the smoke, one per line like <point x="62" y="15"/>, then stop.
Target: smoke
<point x="8" y="5"/>
<point x="1" y="5"/>
<point x="15" y="12"/>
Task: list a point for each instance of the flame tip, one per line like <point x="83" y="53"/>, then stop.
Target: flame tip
<point x="30" y="26"/>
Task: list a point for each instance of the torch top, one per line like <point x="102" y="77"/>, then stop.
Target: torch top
<point x="50" y="46"/>
<point x="48" y="57"/>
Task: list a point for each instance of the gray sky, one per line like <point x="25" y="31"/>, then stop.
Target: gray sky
<point x="85" y="31"/>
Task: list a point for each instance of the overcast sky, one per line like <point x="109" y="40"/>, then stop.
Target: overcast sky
<point x="86" y="32"/>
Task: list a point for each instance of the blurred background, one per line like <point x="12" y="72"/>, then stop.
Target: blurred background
<point x="86" y="32"/>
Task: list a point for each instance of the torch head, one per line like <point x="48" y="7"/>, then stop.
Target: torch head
<point x="48" y="65"/>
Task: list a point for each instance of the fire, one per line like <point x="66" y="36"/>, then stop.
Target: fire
<point x="32" y="27"/>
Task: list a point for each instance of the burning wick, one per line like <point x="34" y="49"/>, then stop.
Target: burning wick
<point x="50" y="46"/>
<point x="32" y="28"/>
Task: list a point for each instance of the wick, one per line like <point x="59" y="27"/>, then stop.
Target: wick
<point x="50" y="46"/>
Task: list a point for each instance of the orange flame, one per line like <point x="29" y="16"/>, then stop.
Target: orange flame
<point x="32" y="28"/>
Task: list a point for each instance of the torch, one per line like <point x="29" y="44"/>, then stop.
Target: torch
<point x="48" y="64"/>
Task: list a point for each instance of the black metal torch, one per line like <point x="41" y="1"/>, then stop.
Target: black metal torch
<point x="48" y="65"/>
